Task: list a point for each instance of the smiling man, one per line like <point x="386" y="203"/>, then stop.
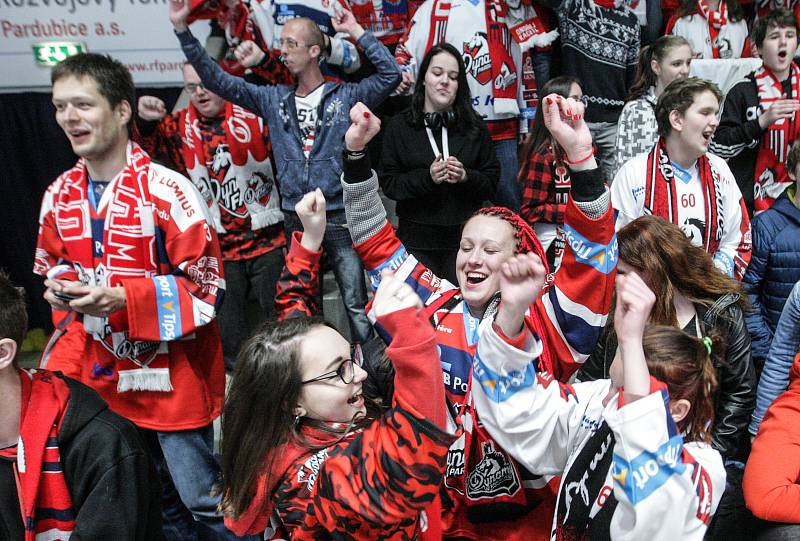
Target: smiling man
<point x="127" y="251"/>
<point x="684" y="184"/>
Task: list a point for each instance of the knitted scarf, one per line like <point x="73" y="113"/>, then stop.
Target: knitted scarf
<point x="660" y="197"/>
<point x="503" y="68"/>
<point x="716" y="20"/>
<point x="771" y="177"/>
<point x="45" y="501"/>
<point x="130" y="249"/>
<point x="248" y="161"/>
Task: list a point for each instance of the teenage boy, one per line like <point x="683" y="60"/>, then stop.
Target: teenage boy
<point x="307" y="122"/>
<point x="683" y="183"/>
<point x="126" y="247"/>
<point x="226" y="153"/>
<point x="759" y="120"/>
<point x="68" y="465"/>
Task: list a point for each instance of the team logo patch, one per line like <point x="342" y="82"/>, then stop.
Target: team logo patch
<point x="493" y="476"/>
<point x="476" y="58"/>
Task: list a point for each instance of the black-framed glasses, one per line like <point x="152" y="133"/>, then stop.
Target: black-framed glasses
<point x="346" y="371"/>
<point x="191" y="88"/>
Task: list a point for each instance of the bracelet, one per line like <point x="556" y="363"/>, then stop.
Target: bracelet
<point x="585" y="158"/>
<point x="353" y="155"/>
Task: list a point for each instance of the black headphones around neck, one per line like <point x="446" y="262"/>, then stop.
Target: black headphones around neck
<point x="438" y="120"/>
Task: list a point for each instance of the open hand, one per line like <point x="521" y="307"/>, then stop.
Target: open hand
<point x="394" y="294"/>
<point x="311" y="211"/>
<point x="364" y="125"/>
<point x="782" y="108"/>
<point x="151" y="108"/>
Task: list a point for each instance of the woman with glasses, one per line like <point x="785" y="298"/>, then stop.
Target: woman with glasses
<point x="304" y="456"/>
<point x="659" y="64"/>
<point x="544" y="175"/>
<point x="438" y="161"/>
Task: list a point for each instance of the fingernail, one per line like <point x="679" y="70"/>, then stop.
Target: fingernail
<point x="549" y="100"/>
<point x="366" y="114"/>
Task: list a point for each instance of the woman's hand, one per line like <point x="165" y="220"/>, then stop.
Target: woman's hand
<point x="364" y="125"/>
<point x="393" y="295"/>
<point x="311" y="211"/>
<point x="634" y="303"/>
<point x="521" y="280"/>
<point x="438" y="170"/>
<point x="563" y="118"/>
<point x="455" y="170"/>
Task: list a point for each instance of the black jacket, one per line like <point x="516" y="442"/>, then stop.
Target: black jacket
<point x="430" y="215"/>
<point x="113" y="484"/>
<point x="736" y="394"/>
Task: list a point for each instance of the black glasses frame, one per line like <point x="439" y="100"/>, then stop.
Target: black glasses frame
<point x="346" y="370"/>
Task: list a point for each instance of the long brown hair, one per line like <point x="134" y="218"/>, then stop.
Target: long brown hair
<point x="645" y="76"/>
<point x="668" y="262"/>
<point x="685" y="365"/>
<point x="540" y="136"/>
<point x="258" y="416"/>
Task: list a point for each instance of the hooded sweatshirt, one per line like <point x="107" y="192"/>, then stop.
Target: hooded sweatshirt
<point x="113" y="485"/>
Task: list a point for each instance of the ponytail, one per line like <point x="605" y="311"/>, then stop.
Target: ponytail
<point x="686" y="365"/>
<point x="645" y="77"/>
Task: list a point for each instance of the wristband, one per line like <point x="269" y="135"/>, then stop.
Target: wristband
<point x="353" y="155"/>
<point x="585" y="158"/>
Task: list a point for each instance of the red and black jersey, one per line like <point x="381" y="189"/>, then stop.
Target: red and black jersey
<point x="239" y="241"/>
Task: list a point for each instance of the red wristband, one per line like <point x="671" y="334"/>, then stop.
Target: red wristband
<point x="585" y="158"/>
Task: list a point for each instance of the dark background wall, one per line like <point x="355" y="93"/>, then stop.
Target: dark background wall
<point x="33" y="152"/>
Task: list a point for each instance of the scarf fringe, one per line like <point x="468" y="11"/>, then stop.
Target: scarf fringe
<point x="266" y="218"/>
<point x="539" y="40"/>
<point x="144" y="379"/>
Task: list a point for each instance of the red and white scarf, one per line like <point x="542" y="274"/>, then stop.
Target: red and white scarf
<point x="661" y="199"/>
<point x="504" y="71"/>
<point x="716" y="20"/>
<point x="250" y="165"/>
<point x="130" y="250"/>
<point x="771" y="177"/>
<point x="45" y="501"/>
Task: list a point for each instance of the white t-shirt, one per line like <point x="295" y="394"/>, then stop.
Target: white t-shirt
<point x="628" y="193"/>
<point x="306" y="107"/>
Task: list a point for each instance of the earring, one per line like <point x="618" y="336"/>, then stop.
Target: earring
<point x="296" y="420"/>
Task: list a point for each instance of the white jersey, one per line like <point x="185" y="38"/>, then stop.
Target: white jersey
<point x="665" y="489"/>
<point x="628" y="195"/>
<point x="730" y="41"/>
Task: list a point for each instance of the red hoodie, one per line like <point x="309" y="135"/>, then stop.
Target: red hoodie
<point x="771" y="489"/>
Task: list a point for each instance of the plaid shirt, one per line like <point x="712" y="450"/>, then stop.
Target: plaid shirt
<point x="544" y="197"/>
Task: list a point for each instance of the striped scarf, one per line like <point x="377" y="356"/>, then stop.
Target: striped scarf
<point x="661" y="199"/>
<point x="716" y="20"/>
<point x="771" y="177"/>
<point x="45" y="501"/>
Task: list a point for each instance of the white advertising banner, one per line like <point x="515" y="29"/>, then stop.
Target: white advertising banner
<point x="36" y="34"/>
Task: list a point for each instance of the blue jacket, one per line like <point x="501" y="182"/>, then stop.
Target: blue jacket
<point x="298" y="175"/>
<point x="774" y="269"/>
<point x="785" y="346"/>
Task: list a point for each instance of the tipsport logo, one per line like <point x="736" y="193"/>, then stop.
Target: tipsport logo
<point x="649" y="471"/>
<point x="603" y="257"/>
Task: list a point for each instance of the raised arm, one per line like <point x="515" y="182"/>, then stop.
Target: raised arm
<point x="393" y="469"/>
<point x="234" y="89"/>
<point x="575" y="307"/>
<point x="298" y="286"/>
